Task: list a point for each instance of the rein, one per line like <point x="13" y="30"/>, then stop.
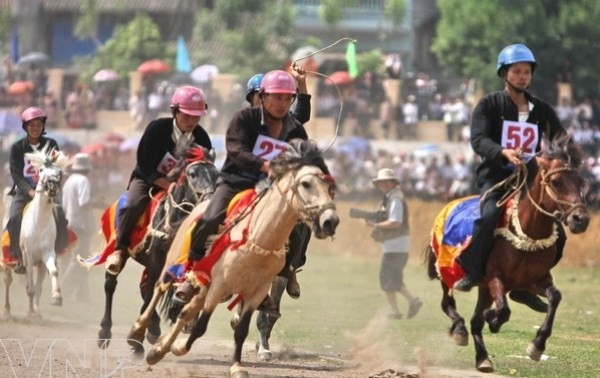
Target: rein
<point x="309" y="213"/>
<point x="515" y="182"/>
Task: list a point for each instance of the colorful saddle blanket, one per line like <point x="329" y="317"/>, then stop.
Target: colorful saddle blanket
<point x="200" y="271"/>
<point x="451" y="234"/>
<point x="109" y="223"/>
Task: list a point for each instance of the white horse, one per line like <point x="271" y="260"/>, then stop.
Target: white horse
<point x="38" y="228"/>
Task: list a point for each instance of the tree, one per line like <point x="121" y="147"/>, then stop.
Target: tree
<point x="471" y="33"/>
<point x="87" y="22"/>
<point x="245" y="37"/>
<point x="130" y="45"/>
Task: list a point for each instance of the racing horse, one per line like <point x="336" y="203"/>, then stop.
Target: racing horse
<point x="38" y="229"/>
<point x="194" y="179"/>
<point x="547" y="190"/>
<point x="250" y="250"/>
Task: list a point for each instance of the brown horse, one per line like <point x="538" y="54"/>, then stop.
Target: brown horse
<point x="255" y="254"/>
<point x="548" y="190"/>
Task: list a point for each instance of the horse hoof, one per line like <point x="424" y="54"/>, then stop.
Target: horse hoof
<point x="485" y="366"/>
<point x="152" y="338"/>
<point x="138" y="349"/>
<point x="265" y="355"/>
<point x="179" y="348"/>
<point x="460" y="339"/>
<point x="104" y="336"/>
<point x="135" y="337"/>
<point x="533" y="352"/>
<point x="154" y="356"/>
<point x="56" y="301"/>
<point x="237" y="371"/>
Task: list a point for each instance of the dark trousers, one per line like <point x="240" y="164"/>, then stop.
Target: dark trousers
<point x="214" y="216"/>
<point x="16" y="217"/>
<point x="473" y="259"/>
<point x="138" y="198"/>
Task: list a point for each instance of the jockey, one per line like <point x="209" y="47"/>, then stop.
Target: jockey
<point x="25" y="180"/>
<point x="302" y="114"/>
<point x="248" y="132"/>
<point x="516" y="109"/>
<point x="155" y="158"/>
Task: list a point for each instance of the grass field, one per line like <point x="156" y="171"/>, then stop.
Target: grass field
<point x="342" y="312"/>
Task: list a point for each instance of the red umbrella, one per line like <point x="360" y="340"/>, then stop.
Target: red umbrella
<point x="93" y="148"/>
<point x="154" y="66"/>
<point x="20" y="87"/>
<point x="339" y="78"/>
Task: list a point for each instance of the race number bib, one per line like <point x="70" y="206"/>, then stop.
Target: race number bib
<point x="167" y="163"/>
<point x="29" y="172"/>
<point x="522" y="135"/>
<point x="268" y="148"/>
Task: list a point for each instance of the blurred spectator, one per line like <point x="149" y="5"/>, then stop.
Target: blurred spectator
<point x="137" y="109"/>
<point x="455" y="117"/>
<point x="50" y="106"/>
<point x="73" y="108"/>
<point x="565" y="112"/>
<point x="155" y="103"/>
<point x="410" y="113"/>
<point x="121" y="100"/>
<point x="88" y="106"/>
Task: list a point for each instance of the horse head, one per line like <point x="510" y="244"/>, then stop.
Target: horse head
<point x="311" y="187"/>
<point x="49" y="166"/>
<point x="561" y="194"/>
<point x="195" y="175"/>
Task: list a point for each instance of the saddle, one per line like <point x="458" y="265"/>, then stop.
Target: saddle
<point x="452" y="231"/>
<point x="109" y="223"/>
<point x="200" y="271"/>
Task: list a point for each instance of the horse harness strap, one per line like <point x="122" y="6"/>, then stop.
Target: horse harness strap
<point x="559" y="214"/>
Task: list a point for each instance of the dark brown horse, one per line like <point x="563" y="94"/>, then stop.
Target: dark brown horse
<point x="548" y="190"/>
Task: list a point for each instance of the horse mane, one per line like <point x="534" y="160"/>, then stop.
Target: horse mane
<point x="186" y="155"/>
<point x="563" y="147"/>
<point x="47" y="157"/>
<point x="300" y="153"/>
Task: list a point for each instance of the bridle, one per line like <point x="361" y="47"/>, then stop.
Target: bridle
<point x="310" y="213"/>
<point x="564" y="208"/>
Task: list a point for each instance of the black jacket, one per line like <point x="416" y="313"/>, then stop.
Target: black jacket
<point x="17" y="163"/>
<point x="241" y="165"/>
<point x="156" y="142"/>
<point x="486" y="130"/>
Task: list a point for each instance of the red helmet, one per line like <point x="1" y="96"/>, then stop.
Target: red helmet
<point x="278" y="81"/>
<point x="32" y="113"/>
<point x="189" y="100"/>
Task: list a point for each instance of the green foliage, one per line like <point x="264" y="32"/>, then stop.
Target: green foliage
<point x="130" y="45"/>
<point x="395" y="11"/>
<point x="471" y="33"/>
<point x="87" y="22"/>
<point x="371" y="61"/>
<point x="229" y="36"/>
<point x="332" y="11"/>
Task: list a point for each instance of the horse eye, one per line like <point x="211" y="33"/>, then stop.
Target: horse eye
<point x="305" y="184"/>
<point x="556" y="183"/>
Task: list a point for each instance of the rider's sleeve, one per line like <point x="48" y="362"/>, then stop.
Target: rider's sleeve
<point x="153" y="146"/>
<point x="17" y="164"/>
<point x="303" y="108"/>
<point x="240" y="138"/>
<point x="484" y="137"/>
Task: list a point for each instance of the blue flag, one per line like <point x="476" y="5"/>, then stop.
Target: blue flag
<point x="182" y="61"/>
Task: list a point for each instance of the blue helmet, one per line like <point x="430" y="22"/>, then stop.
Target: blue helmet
<point x="253" y="85"/>
<point x="517" y="53"/>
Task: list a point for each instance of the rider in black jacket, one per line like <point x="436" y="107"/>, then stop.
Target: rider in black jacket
<point x="506" y="126"/>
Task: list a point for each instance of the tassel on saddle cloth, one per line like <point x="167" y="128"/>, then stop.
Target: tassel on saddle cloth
<point x="109" y="223"/>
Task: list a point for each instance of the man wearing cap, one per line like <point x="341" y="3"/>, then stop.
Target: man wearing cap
<point x="392" y="232"/>
<point x="156" y="153"/>
<point x="77" y="203"/>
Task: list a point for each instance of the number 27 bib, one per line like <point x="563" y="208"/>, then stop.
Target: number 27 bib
<point x="268" y="148"/>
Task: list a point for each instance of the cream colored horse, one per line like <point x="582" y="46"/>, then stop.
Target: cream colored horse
<point x="38" y="228"/>
<point x="301" y="192"/>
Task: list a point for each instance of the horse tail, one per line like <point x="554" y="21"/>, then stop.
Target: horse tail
<point x="429" y="259"/>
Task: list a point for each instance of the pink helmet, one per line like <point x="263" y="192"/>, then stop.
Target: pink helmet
<point x="189" y="100"/>
<point x="278" y="81"/>
<point x="32" y="113"/>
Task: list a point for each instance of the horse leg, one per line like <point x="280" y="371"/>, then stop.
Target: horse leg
<point x="136" y="334"/>
<point x="482" y="360"/>
<point x="188" y="313"/>
<point x="182" y="346"/>
<point x="41" y="273"/>
<point x="538" y="344"/>
<point x="154" y="268"/>
<point x="458" y="330"/>
<point x="496" y="317"/>
<point x="53" y="272"/>
<point x="241" y="332"/>
<point x="7" y="283"/>
<point x="105" y="333"/>
<point x="265" y="323"/>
